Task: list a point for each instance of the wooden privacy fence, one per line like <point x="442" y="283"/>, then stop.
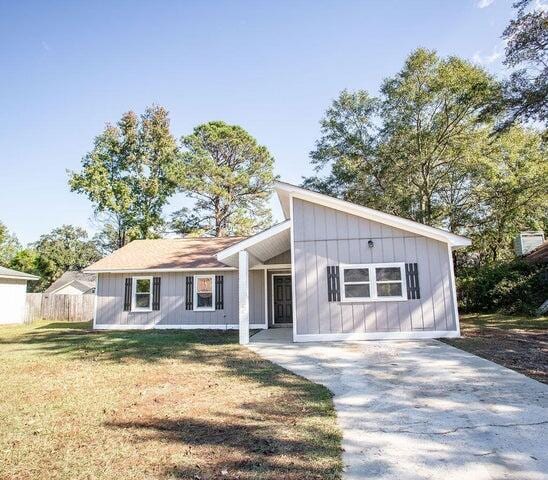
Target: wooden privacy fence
<point x="67" y="308"/>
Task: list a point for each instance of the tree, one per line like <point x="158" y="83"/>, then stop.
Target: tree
<point x="525" y="93"/>
<point x="64" y="248"/>
<point x="510" y="195"/>
<point x="125" y="175"/>
<point x="348" y="145"/>
<point x="408" y="152"/>
<point x="26" y="260"/>
<point x="230" y="177"/>
<point x="9" y="246"/>
<point x="185" y="222"/>
<point x="430" y="112"/>
<point x="424" y="151"/>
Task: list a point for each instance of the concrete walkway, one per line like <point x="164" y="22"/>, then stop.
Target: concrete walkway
<point x="413" y="410"/>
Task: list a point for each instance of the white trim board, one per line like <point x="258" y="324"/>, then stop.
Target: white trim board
<point x="15" y="277"/>
<point x="272" y="266"/>
<point x="257" y="238"/>
<point x="155" y="326"/>
<point x="285" y="190"/>
<point x="330" y="337"/>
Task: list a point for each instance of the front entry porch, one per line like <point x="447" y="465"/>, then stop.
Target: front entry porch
<point x="273" y="336"/>
<point x="269" y="252"/>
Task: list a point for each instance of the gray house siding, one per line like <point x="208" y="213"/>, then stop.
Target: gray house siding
<point x="324" y="236"/>
<point x="110" y="302"/>
<point x="283" y="259"/>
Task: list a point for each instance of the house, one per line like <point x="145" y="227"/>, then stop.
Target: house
<point x="526" y="242"/>
<point x="333" y="270"/>
<point x="13" y="293"/>
<point x="72" y="283"/>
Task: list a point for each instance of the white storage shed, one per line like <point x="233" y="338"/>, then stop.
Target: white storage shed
<point x="13" y="292"/>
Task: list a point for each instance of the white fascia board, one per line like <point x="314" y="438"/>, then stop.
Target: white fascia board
<point x="285" y="190"/>
<point x="349" y="337"/>
<point x="249" y="242"/>
<point x="18" y="277"/>
<point x="159" y="270"/>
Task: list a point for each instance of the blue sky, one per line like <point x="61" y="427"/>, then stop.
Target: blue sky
<point x="271" y="67"/>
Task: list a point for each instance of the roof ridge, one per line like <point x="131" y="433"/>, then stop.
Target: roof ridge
<point x="187" y="238"/>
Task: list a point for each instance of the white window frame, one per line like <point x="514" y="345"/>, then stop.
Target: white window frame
<point x="134" y="307"/>
<point x="373" y="282"/>
<point x="195" y="299"/>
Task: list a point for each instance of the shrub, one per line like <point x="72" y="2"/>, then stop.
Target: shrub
<point x="509" y="287"/>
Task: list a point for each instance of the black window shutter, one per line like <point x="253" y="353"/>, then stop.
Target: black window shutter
<point x="333" y="284"/>
<point x="412" y="278"/>
<point x="219" y="292"/>
<point x="156" y="293"/>
<point x="127" y="295"/>
<point x="189" y="295"/>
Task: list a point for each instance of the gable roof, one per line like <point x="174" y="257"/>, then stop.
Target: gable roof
<point x="166" y="254"/>
<point x="15" y="274"/>
<point x="262" y="246"/>
<point x="80" y="280"/>
<point x="286" y="191"/>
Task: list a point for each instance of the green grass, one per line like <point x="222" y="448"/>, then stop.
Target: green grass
<point x="515" y="341"/>
<point x="505" y="322"/>
<point x="157" y="404"/>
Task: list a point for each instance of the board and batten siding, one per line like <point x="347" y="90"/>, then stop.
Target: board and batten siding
<point x="325" y="236"/>
<point x="110" y="302"/>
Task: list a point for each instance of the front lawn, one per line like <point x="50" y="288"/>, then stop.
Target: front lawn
<point x="157" y="404"/>
<point x="517" y="342"/>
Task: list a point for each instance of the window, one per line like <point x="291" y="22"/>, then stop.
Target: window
<point x="373" y="282"/>
<point x="142" y="294"/>
<point x="204" y="293"/>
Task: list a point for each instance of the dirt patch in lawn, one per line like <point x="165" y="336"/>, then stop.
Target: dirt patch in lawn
<point x="156" y="405"/>
<point x="519" y="343"/>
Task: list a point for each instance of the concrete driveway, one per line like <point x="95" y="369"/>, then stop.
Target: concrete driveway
<point x="414" y="410"/>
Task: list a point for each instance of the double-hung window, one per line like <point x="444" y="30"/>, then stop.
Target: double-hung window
<point x="142" y="294"/>
<point x="204" y="292"/>
<point x="373" y="282"/>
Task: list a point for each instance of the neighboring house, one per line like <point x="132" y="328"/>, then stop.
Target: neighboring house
<point x="13" y="292"/>
<point x="72" y="283"/>
<point x="526" y="242"/>
<point x="333" y="270"/>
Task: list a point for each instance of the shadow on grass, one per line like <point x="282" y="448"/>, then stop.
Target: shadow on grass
<point x="243" y="448"/>
<point x="254" y="444"/>
<point x="214" y="347"/>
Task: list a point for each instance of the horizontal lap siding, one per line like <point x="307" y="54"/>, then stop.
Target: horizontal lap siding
<point x="110" y="301"/>
<point x="324" y="236"/>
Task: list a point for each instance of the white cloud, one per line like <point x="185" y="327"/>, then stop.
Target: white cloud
<point x="540" y="5"/>
<point x="489" y="58"/>
<point x="484" y="3"/>
<point x="46" y="46"/>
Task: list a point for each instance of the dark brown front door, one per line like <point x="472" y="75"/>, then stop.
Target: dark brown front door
<point x="282" y="298"/>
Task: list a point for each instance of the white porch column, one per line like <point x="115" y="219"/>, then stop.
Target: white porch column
<point x="243" y="275"/>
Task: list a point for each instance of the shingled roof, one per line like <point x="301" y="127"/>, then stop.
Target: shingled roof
<point x="166" y="254"/>
<point x="80" y="280"/>
<point x="15" y="274"/>
<point x="538" y="255"/>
